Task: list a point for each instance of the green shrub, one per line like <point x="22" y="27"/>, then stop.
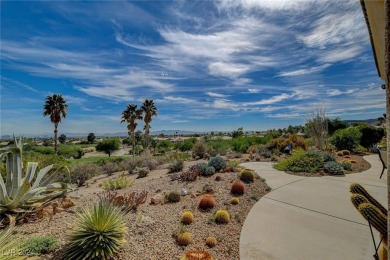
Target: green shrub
<point x="346" y="166"/>
<point x="370" y="135"/>
<point x="200" y="150"/>
<point x="108" y="146"/>
<point x="210" y="170"/>
<point x="117" y="183"/>
<point x="333" y="168"/>
<point x="233" y="164"/>
<point x="99" y="233"/>
<point x="346" y="139"/>
<point x="203" y="166"/>
<point x="280" y="143"/>
<point x="40" y="245"/>
<point x="263" y="151"/>
<point x="142" y="172"/>
<point x="173" y="197"/>
<point x="301" y="161"/>
<point x="81" y="172"/>
<point x="70" y="151"/>
<point x="218" y="163"/>
<point x="176" y="166"/>
<point x="109" y="168"/>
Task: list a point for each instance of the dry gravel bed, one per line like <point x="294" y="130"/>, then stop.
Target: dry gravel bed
<point x="152" y="226"/>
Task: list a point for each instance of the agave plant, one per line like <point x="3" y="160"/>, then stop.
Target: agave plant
<point x="99" y="233"/>
<point x="10" y="248"/>
<point x="24" y="192"/>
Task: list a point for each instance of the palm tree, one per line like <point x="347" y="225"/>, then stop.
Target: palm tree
<point x="55" y="107"/>
<point x="149" y="110"/>
<point x="130" y="115"/>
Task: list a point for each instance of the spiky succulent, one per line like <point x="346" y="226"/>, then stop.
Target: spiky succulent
<point x="211" y="242"/>
<point x="333" y="168"/>
<point x="222" y="217"/>
<point x="99" y="233"/>
<point x="207" y="202"/>
<point x="27" y="191"/>
<point x="184" y="239"/>
<point x="234" y="201"/>
<point x="187" y="218"/>
<point x="197" y="255"/>
<point x="218" y="163"/>
<point x="238" y="187"/>
<point x="247" y="175"/>
<point x="10" y="248"/>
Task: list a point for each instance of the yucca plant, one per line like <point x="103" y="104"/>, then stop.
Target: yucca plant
<point x="99" y="233"/>
<point x="23" y="192"/>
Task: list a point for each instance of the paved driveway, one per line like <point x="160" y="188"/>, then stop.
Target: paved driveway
<point x="310" y="217"/>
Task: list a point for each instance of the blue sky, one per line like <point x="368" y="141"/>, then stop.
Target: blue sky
<point x="208" y="65"/>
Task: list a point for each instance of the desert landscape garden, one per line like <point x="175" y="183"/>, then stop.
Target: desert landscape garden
<point x="175" y="198"/>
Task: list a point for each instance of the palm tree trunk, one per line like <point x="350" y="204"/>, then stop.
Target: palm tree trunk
<point x="133" y="137"/>
<point x="146" y="148"/>
<point x="55" y="137"/>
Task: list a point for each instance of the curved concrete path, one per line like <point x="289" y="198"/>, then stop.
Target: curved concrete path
<point x="310" y="217"/>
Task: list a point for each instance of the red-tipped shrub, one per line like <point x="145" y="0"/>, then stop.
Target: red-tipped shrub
<point x="238" y="187"/>
<point x="207" y="202"/>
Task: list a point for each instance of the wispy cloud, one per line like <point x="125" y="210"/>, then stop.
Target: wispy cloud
<point x="217" y="95"/>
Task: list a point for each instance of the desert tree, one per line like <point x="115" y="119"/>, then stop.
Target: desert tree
<point x="56" y="108"/>
<point x="317" y="126"/>
<point x="149" y="110"/>
<point x="108" y="146"/>
<point x="130" y="115"/>
<point x="91" y="138"/>
<point x="62" y="139"/>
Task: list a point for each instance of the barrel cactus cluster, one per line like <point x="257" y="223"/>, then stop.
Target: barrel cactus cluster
<point x="369" y="208"/>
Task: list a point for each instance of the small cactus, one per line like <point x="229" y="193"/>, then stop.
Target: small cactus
<point x="358" y="199"/>
<point x="187" y="218"/>
<point x="247" y="175"/>
<point x="234" y="201"/>
<point x="211" y="242"/>
<point x="184" y="239"/>
<point x="207" y="202"/>
<point x="374" y="216"/>
<point x="222" y="217"/>
<point x="357" y="188"/>
<point x="238" y="187"/>
<point x="197" y="255"/>
<point x="173" y="197"/>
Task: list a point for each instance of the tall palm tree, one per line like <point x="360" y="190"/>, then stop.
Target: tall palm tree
<point x="149" y="110"/>
<point x="130" y="115"/>
<point x="55" y="106"/>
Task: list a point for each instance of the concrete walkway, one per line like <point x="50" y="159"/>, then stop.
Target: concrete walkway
<point x="310" y="217"/>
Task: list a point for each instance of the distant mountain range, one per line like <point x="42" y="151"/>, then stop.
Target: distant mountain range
<point x="124" y="134"/>
<point x="373" y="122"/>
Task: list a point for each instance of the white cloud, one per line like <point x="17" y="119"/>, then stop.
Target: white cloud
<point x="305" y="71"/>
<point x="340" y="54"/>
<point x="284" y="115"/>
<point x="254" y="90"/>
<point x="337" y="92"/>
<point x="272" y="100"/>
<point x="270" y="5"/>
<point x="217" y="95"/>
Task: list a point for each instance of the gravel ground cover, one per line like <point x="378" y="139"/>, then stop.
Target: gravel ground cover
<point x="151" y="228"/>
